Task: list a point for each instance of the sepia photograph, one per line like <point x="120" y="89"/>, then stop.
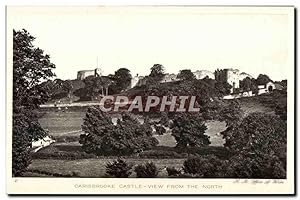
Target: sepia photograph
<point x="150" y="100"/>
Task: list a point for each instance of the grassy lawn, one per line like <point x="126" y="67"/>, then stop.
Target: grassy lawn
<point x="94" y="167"/>
<point x="66" y="126"/>
<point x="66" y="158"/>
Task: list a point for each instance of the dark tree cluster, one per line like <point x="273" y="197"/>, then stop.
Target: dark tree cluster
<point x="259" y="141"/>
<point x="102" y="137"/>
<point x="30" y="67"/>
<point x="188" y="130"/>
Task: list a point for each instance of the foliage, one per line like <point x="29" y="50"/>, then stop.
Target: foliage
<point x="119" y="169"/>
<point x="65" y="151"/>
<point x="94" y="86"/>
<point x="259" y="141"/>
<point x="102" y="137"/>
<point x="262" y="79"/>
<point x="30" y="67"/>
<point x="157" y="70"/>
<point x="189" y="129"/>
<point x="121" y="80"/>
<point x="156" y="75"/>
<point x="160" y="130"/>
<point x="258" y="133"/>
<point x="203" y="166"/>
<point x="211" y="110"/>
<point x="277" y="100"/>
<point x="172" y="171"/>
<point x="248" y="84"/>
<point x="254" y="166"/>
<point x="148" y="170"/>
<point x="231" y="113"/>
<point x="67" y="87"/>
<point x="223" y="88"/>
<point x="186" y="74"/>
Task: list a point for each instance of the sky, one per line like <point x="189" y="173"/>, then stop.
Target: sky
<point x="253" y="40"/>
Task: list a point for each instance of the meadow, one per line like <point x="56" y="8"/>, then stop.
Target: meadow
<point x="65" y="157"/>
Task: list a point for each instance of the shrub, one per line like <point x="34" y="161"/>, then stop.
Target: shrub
<point x="148" y="170"/>
<point x="204" y="166"/>
<point x="172" y="171"/>
<point x="119" y="169"/>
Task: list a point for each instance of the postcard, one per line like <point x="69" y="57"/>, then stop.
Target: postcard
<point x="150" y="100"/>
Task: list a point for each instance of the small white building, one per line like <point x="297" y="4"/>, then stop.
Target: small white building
<point x="46" y="141"/>
<point x="247" y="93"/>
<point x="269" y="87"/>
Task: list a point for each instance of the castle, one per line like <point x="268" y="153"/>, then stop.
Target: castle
<point x="85" y="73"/>
<point x="229" y="75"/>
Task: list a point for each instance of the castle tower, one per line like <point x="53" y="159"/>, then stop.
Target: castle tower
<point x="231" y="76"/>
<point x="98" y="71"/>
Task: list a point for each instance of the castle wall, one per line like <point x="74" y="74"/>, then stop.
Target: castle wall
<point x="83" y="74"/>
<point x="136" y="81"/>
<point x="200" y="74"/>
<point x="233" y="78"/>
<point x="169" y="78"/>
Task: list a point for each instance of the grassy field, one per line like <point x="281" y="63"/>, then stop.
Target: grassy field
<point x="95" y="167"/>
<point x="63" y="124"/>
<point x="66" y="158"/>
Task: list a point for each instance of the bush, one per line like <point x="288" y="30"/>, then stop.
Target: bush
<point x="172" y="171"/>
<point x="119" y="169"/>
<point x="66" y="138"/>
<point x="55" y="152"/>
<point x="148" y="170"/>
<point x="204" y="166"/>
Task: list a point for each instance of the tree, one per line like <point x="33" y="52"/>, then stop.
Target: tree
<point x="248" y="84"/>
<point x="231" y="113"/>
<point x="186" y="74"/>
<point x="245" y="84"/>
<point x="254" y="166"/>
<point x="262" y="79"/>
<point x="258" y="133"/>
<point x="67" y="87"/>
<point x="223" y="88"/>
<point x="30" y="67"/>
<point x="156" y="75"/>
<point x="258" y="137"/>
<point x="147" y="170"/>
<point x="122" y="80"/>
<point x="207" y="166"/>
<point x="189" y="129"/>
<point x="259" y="142"/>
<point x="157" y="70"/>
<point x="95" y="86"/>
<point x="102" y="137"/>
<point x="118" y="169"/>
